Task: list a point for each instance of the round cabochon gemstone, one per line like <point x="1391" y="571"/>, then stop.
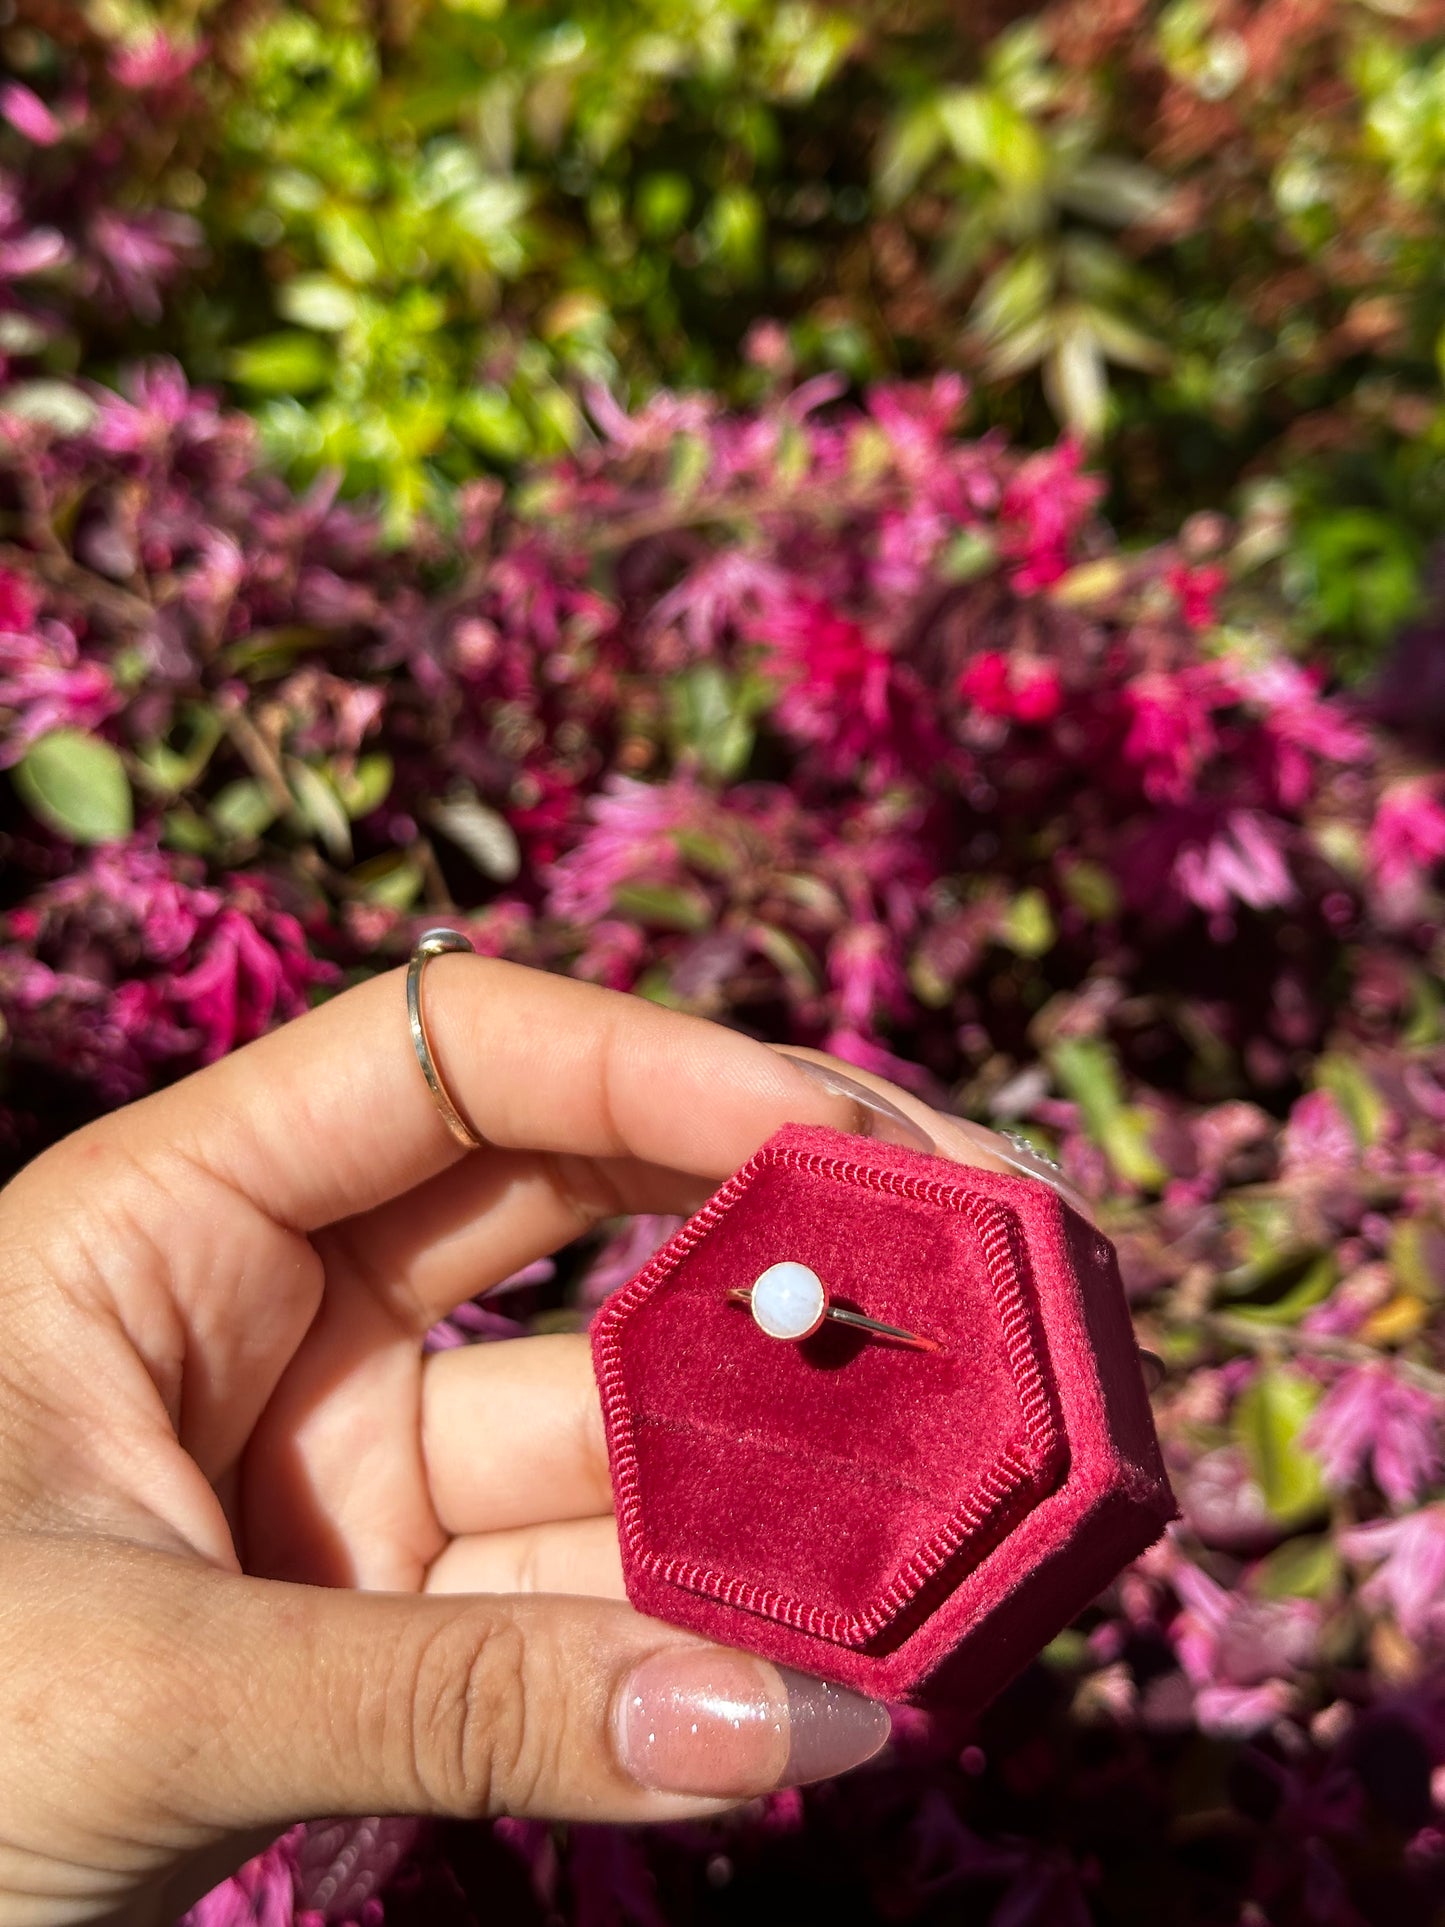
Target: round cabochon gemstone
<point x="788" y="1301"/>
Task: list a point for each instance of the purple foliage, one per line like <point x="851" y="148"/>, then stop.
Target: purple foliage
<point x="840" y="724"/>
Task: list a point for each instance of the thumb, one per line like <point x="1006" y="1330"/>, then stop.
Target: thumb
<point x="305" y="1701"/>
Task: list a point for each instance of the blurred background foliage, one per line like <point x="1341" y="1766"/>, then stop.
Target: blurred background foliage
<point x="1203" y="236"/>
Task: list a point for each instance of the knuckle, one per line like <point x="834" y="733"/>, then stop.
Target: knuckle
<point x="476" y="1732"/>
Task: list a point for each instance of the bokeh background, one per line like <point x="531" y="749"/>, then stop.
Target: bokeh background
<point x="908" y="528"/>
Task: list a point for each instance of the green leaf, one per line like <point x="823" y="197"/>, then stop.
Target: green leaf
<point x="687" y="466"/>
<point x="366" y="787"/>
<point x="1355" y="1092"/>
<point x="492" y="422"/>
<point x="76" y="784"/>
<point x="1027" y="925"/>
<point x="1086" y="1068"/>
<point x="1270" y="1417"/>
<point x="1417" y="1257"/>
<point x="1092" y="889"/>
<point x="172" y="770"/>
<point x="1075" y="377"/>
<point x="969" y="555"/>
<point x="1306" y="1283"/>
<point x="286" y="363"/>
<point x="655" y="903"/>
<point x="1116" y="192"/>
<point x="394" y="880"/>
<point x="791" y="959"/>
<point x="484" y="834"/>
<point x="316" y="301"/>
<point x="53" y="404"/>
<point x="908" y="149"/>
<point x="319" y="809"/>
<point x="1014" y="297"/>
<point x="243" y="810"/>
<point x="1307" y="1568"/>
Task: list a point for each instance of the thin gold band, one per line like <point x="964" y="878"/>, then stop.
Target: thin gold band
<point x="436" y="943"/>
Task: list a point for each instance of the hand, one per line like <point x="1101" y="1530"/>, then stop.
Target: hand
<point x="259" y="1558"/>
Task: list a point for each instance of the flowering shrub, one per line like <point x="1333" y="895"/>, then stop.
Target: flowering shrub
<point x="1206" y="236"/>
<point x="843" y="724"/>
<point x="841" y="716"/>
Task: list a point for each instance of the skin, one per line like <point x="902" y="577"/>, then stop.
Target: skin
<point x="259" y="1558"/>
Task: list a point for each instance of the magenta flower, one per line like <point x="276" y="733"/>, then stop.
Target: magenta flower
<point x="245" y="979"/>
<point x="1241" y="1655"/>
<point x="633" y="833"/>
<point x="1409" y="1580"/>
<point x="1020" y="691"/>
<point x="846" y="693"/>
<point x="44" y="684"/>
<point x="1318" y="1138"/>
<point x="1407" y="838"/>
<point x="260" y="1894"/>
<point x="1197" y="591"/>
<point x="28" y="114"/>
<point x="1372" y="1419"/>
<point x="1243" y="862"/>
<point x="138" y="253"/>
<point x="1044" y="508"/>
<point x="154" y="63"/>
<point x="1171" y="732"/>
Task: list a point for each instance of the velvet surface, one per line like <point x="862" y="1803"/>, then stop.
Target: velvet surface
<point x="881" y="1516"/>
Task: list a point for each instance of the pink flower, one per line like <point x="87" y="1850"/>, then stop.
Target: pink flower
<point x="18" y="602"/>
<point x="1305" y="729"/>
<point x="28" y="114"/>
<point x="1002" y="685"/>
<point x="1197" y="591"/>
<point x="1171" y="730"/>
<point x="261" y="1894"/>
<point x="244" y="980"/>
<point x="1407" y="836"/>
<point x="633" y="833"/>
<point x="1044" y="507"/>
<point x="1240" y="1654"/>
<point x="1318" y="1138"/>
<point x="714" y="601"/>
<point x="867" y="975"/>
<point x="846" y="693"/>
<point x="1371" y="1418"/>
<point x="141" y="252"/>
<point x="625" y="1253"/>
<point x="1243" y="862"/>
<point x="1410" y="1579"/>
<point x="44" y="684"/>
<point x="154" y="62"/>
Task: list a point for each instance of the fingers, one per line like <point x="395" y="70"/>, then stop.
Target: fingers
<point x="512" y="1436"/>
<point x="248" y="1701"/>
<point x="959" y="1138"/>
<point x="469" y="1227"/>
<point x="330" y="1116"/>
<point x="579" y="1556"/>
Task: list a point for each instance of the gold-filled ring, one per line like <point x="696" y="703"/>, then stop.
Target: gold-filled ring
<point x="436" y="943"/>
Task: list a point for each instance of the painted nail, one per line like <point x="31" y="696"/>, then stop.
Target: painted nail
<point x="727" y="1726"/>
<point x="878" y="1118"/>
<point x="1012" y="1148"/>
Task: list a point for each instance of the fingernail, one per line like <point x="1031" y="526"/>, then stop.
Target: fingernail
<point x="1012" y="1148"/>
<point x="879" y="1118"/>
<point x="727" y="1726"/>
<point x="1153" y="1368"/>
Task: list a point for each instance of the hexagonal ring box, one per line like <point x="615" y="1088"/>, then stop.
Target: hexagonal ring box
<point x="912" y="1523"/>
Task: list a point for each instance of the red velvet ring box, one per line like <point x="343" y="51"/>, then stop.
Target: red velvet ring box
<point x="912" y="1524"/>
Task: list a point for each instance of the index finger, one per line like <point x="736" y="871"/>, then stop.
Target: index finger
<point x="330" y="1115"/>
